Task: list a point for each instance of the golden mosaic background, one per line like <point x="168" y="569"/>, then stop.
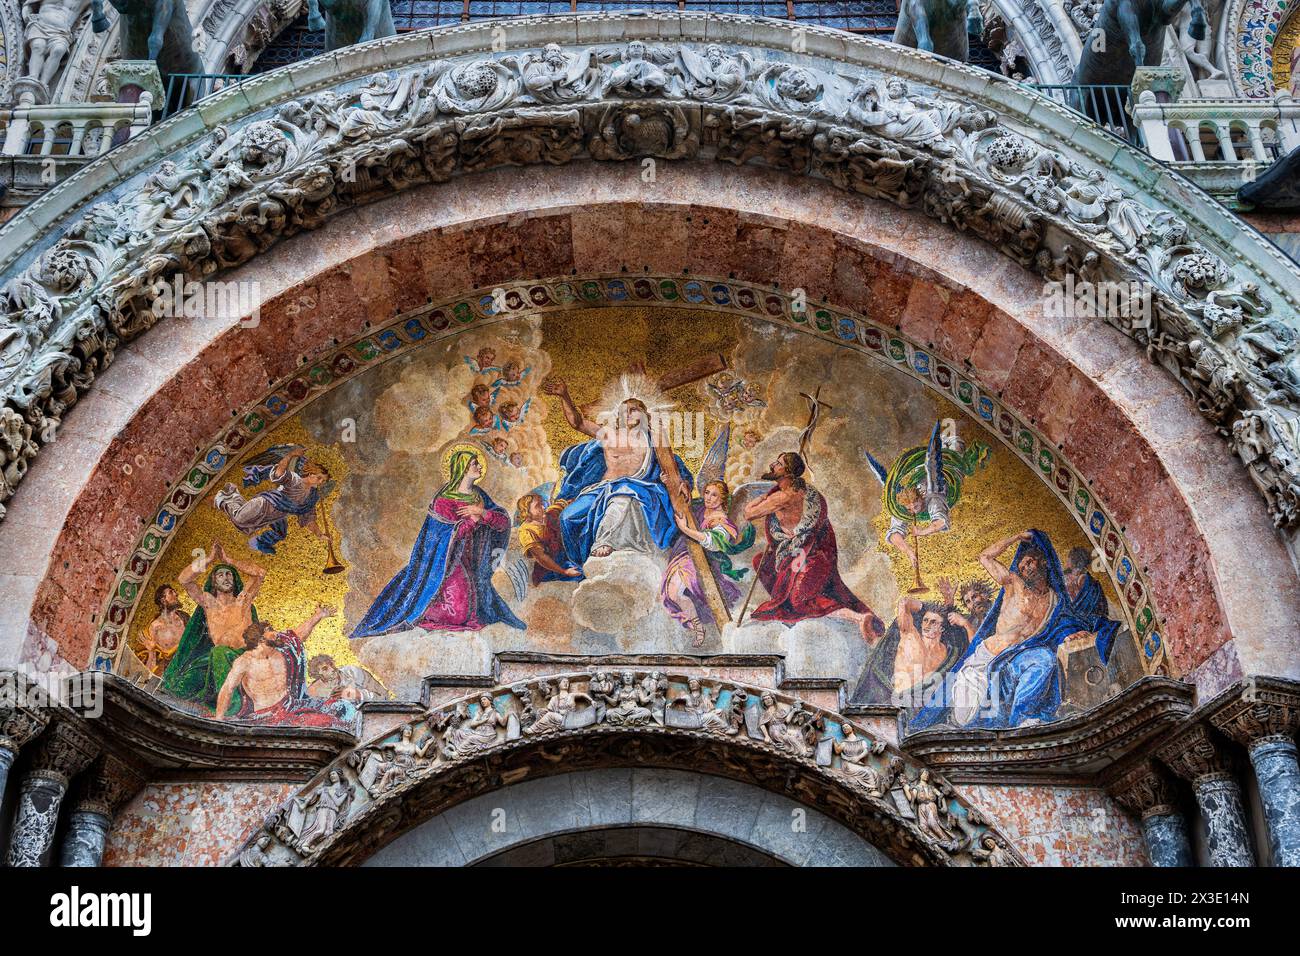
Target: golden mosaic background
<point x="591" y="348"/>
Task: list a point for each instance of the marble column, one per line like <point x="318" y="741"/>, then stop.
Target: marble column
<point x="99" y="792"/>
<point x="1264" y="720"/>
<point x="1196" y="756"/>
<point x="18" y="726"/>
<point x="1148" y="791"/>
<point x="62" y="752"/>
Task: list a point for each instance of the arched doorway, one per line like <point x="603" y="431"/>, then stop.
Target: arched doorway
<point x="604" y="817"/>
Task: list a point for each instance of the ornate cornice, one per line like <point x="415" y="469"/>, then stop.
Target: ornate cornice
<point x="981" y="155"/>
<point x="541" y="727"/>
<point x="1075" y="750"/>
<point x="186" y="746"/>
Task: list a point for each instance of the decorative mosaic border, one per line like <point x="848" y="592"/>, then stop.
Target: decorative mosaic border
<point x="1257" y="31"/>
<point x="437" y="322"/>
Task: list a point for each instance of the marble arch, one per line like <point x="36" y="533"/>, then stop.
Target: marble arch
<point x="1206" y="552"/>
<point x="967" y="305"/>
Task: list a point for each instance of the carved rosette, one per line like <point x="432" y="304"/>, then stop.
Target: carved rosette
<point x="588" y="719"/>
<point x="290" y="166"/>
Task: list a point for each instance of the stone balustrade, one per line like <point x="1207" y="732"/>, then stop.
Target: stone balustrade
<point x="71" y="131"/>
<point x="1218" y="144"/>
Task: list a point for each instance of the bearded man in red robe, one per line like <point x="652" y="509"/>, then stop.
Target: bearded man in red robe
<point x="800" y="567"/>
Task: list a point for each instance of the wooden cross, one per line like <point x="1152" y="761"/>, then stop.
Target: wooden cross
<point x="680" y="495"/>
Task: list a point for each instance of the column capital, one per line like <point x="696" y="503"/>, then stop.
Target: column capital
<point x="1145" y="789"/>
<point x="1263" y="711"/>
<point x="20" y="725"/>
<point x="107" y="784"/>
<point x="62" y="752"/>
<point x="1195" y="755"/>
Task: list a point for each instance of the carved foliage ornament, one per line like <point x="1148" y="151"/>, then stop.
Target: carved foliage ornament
<point x="240" y="190"/>
<point x="416" y="769"/>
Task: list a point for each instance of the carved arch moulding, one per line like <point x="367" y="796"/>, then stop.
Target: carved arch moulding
<point x="581" y="720"/>
<point x="275" y="156"/>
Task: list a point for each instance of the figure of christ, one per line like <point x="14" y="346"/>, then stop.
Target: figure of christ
<point x="800" y="566"/>
<point x="163" y="635"/>
<point x="1010" y="675"/>
<point x="616" y="489"/>
<point x="214" y="635"/>
<point x="271" y="678"/>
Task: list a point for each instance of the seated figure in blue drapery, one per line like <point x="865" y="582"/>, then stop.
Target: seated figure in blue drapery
<point x="447" y="584"/>
<point x="614" y="486"/>
<point x="1011" y="673"/>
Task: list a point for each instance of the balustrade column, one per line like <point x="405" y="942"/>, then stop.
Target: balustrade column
<point x="1197" y="757"/>
<point x="1148" y="791"/>
<point x="1264" y="720"/>
<point x="102" y="789"/>
<point x="62" y="752"/>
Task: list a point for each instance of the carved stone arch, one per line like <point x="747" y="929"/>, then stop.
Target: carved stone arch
<point x="1192" y="281"/>
<point x="755" y="735"/>
<point x="355" y="278"/>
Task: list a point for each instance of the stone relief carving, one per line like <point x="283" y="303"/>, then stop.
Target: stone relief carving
<point x="47" y="35"/>
<point x="870" y="777"/>
<point x="240" y="190"/>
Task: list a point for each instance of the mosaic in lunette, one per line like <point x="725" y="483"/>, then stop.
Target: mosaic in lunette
<point x="643" y="481"/>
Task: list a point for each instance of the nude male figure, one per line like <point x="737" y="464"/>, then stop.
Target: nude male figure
<point x="228" y="614"/>
<point x="920" y="652"/>
<point x="261" y="673"/>
<point x="163" y="635"/>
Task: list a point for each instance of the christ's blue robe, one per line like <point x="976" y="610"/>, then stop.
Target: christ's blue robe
<point x="403" y="602"/>
<point x="589" y="496"/>
<point x="1025" y="679"/>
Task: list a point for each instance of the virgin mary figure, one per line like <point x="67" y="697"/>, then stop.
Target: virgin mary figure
<point x="447" y="584"/>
